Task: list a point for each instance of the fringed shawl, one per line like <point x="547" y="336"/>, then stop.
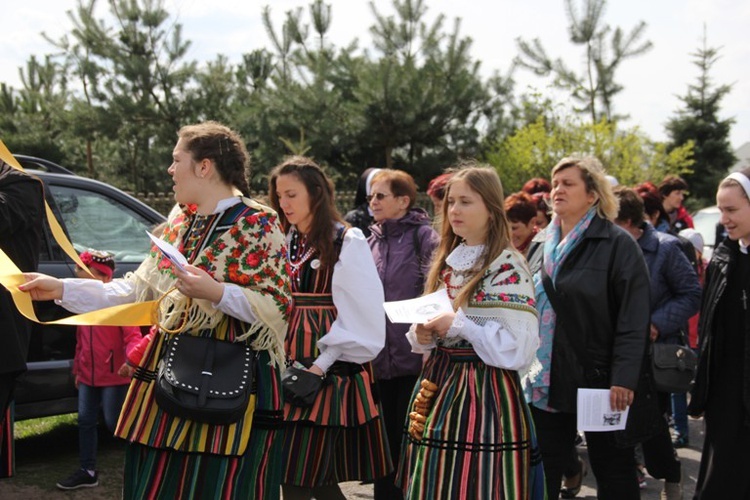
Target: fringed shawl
<point x="505" y="296"/>
<point x="251" y="254"/>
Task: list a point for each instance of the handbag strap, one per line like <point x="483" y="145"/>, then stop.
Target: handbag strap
<point x="182" y="324"/>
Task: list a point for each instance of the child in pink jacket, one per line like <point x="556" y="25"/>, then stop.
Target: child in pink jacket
<point x="101" y="352"/>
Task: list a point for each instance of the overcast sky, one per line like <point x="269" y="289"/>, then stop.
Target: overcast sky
<point x="652" y="82"/>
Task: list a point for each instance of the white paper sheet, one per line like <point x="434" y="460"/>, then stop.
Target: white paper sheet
<point x="419" y="310"/>
<point x="170" y="252"/>
<point x="596" y="415"/>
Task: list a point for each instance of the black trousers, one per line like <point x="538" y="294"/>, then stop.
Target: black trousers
<point x="395" y="400"/>
<point x="658" y="452"/>
<point x="613" y="467"/>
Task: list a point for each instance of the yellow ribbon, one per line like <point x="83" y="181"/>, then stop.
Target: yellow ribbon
<point x="139" y="314"/>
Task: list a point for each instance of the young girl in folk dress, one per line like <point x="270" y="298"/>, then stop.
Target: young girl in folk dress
<point x="337" y="327"/>
<point x="471" y="434"/>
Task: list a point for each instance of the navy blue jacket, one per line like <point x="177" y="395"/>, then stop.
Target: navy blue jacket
<point x="675" y="289"/>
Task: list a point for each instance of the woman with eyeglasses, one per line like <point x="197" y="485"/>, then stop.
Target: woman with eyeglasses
<point x="337" y="327"/>
<point x="402" y="242"/>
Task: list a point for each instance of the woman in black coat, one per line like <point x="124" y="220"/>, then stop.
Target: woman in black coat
<point x="721" y="393"/>
<point x="593" y="302"/>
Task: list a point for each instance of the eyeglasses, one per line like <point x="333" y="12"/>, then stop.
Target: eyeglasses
<point x="377" y="196"/>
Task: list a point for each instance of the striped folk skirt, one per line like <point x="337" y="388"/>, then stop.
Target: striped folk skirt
<point x="479" y="439"/>
<point x="208" y="461"/>
<point x="342" y="436"/>
<point x="151" y="473"/>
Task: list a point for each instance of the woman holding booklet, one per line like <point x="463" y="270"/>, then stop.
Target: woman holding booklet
<point x="593" y="302"/>
<point x="470" y="433"/>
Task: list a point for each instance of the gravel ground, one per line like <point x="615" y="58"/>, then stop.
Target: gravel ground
<point x="43" y="460"/>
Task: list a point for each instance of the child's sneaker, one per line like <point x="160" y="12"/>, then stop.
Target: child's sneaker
<point x="79" y="479"/>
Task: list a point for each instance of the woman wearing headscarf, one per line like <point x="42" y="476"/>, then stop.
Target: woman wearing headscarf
<point x="721" y="393"/>
<point x="361" y="215"/>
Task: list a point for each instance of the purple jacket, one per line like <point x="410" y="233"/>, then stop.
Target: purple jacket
<point x="402" y="249"/>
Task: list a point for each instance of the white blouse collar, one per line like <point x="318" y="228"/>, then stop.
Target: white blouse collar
<point x="464" y="257"/>
<point x="226" y="203"/>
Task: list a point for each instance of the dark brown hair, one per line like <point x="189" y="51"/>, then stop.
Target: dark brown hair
<point x="672" y="183"/>
<point x="321" y="193"/>
<point x="631" y="206"/>
<point x="220" y="144"/>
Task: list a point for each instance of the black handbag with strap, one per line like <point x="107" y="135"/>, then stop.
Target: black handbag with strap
<point x="205" y="379"/>
<point x="673" y="366"/>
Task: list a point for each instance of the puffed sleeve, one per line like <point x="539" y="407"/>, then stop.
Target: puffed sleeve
<point x="511" y="346"/>
<point x="358" y="333"/>
<point x="84" y="295"/>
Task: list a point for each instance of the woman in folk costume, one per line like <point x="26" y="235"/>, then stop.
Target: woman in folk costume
<point x="235" y="289"/>
<point x="336" y="328"/>
<point x="470" y="431"/>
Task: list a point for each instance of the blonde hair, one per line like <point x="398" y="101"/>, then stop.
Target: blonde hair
<point x="484" y="181"/>
<point x="595" y="178"/>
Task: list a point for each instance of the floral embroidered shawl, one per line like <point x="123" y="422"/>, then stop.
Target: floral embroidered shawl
<point x="505" y="295"/>
<point x="251" y="254"/>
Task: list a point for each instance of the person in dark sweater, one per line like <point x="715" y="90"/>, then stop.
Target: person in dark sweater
<point x="21" y="223"/>
<point x="361" y="215"/>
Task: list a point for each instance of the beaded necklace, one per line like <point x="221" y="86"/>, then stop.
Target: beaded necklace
<point x="460" y="278"/>
<point x="299" y="253"/>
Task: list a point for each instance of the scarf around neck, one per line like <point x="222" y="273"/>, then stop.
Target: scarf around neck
<point x="556" y="250"/>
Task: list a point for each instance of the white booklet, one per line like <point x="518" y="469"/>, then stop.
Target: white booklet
<point x="596" y="415"/>
<point x="419" y="310"/>
<point x="170" y="252"/>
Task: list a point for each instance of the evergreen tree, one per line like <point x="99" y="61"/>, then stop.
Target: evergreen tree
<point x="136" y="91"/>
<point x="595" y="87"/>
<point x="699" y="122"/>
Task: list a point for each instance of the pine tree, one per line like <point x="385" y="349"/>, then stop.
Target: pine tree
<point x="595" y="87"/>
<point x="699" y="122"/>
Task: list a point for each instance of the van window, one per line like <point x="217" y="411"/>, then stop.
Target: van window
<point x="95" y="221"/>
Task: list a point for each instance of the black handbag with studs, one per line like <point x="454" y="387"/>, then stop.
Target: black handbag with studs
<point x="205" y="379"/>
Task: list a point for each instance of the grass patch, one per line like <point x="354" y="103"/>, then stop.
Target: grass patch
<point x="36" y="426"/>
<point x="47" y="451"/>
